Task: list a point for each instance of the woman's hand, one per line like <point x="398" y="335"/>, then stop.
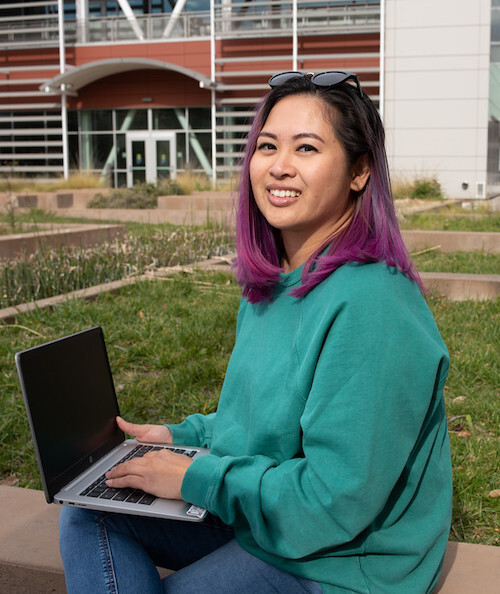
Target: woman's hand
<point x="146" y="433"/>
<point x="160" y="473"/>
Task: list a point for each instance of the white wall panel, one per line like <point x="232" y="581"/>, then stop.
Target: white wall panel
<point x="436" y="90"/>
<point x="430" y="113"/>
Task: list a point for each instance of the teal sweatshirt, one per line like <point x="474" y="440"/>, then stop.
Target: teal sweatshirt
<point x="329" y="448"/>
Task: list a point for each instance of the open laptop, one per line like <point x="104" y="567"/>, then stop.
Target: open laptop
<point x="72" y="407"/>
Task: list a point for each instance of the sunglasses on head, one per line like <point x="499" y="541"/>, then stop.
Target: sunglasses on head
<point x="330" y="78"/>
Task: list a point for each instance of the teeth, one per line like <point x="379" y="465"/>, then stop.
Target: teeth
<point x="284" y="193"/>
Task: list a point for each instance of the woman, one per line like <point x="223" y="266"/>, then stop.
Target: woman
<point x="329" y="468"/>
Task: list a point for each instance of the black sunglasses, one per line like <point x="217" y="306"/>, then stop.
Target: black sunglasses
<point x="330" y="78"/>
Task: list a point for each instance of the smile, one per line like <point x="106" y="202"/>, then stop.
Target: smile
<point x="285" y="193"/>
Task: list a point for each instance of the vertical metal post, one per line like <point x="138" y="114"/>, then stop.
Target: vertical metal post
<point x="82" y="21"/>
<point x="294" y="36"/>
<point x="381" y="78"/>
<point x="212" y="80"/>
<point x="62" y="68"/>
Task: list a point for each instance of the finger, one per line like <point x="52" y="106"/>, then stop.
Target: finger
<point x="126" y="426"/>
<point x="131" y="467"/>
<point x="163" y="453"/>
<point x="131" y="481"/>
<point x="133" y="429"/>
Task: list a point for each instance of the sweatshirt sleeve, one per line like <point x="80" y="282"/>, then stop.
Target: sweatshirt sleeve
<point x="370" y="425"/>
<point x="195" y="430"/>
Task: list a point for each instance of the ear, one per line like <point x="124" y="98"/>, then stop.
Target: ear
<point x="360" y="173"/>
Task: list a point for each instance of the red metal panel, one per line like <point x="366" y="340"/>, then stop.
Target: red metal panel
<point x="194" y="55"/>
<point x="129" y="89"/>
<point x="170" y="88"/>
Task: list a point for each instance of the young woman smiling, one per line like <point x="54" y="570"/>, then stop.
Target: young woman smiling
<point x="329" y="468"/>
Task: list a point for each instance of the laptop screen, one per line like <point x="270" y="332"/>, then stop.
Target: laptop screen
<point x="71" y="404"/>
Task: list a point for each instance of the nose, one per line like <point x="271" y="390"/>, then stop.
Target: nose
<point x="282" y="165"/>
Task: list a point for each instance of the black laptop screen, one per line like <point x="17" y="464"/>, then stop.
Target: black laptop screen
<point x="71" y="404"/>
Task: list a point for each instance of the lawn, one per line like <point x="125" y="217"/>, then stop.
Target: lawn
<point x="169" y="342"/>
<point x="452" y="218"/>
<point x="147" y="247"/>
<point x="475" y="262"/>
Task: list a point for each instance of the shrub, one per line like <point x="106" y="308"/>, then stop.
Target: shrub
<point x="426" y="188"/>
<point x="423" y="188"/>
<point x="171" y="187"/>
<point x="142" y="195"/>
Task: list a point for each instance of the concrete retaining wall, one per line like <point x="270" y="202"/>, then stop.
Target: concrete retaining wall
<point x="52" y="200"/>
<point x="452" y="241"/>
<point x="84" y="236"/>
<point x="459" y="287"/>
<point x="30" y="562"/>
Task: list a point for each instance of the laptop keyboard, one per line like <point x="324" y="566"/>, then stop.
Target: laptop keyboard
<point x="99" y="488"/>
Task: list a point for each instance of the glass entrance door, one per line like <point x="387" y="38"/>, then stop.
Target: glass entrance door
<point x="163" y="161"/>
<point x="150" y="156"/>
<point x="138" y="168"/>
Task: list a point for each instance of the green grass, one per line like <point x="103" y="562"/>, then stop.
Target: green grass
<point x="472" y="334"/>
<point x="476" y="262"/>
<point x="452" y="219"/>
<point x="169" y="343"/>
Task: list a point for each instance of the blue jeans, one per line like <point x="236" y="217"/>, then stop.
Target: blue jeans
<point x="117" y="553"/>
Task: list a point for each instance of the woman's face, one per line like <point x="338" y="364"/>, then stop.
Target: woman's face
<point x="299" y="173"/>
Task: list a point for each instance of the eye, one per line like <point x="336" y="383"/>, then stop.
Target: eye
<point x="266" y="146"/>
<point x="306" y="148"/>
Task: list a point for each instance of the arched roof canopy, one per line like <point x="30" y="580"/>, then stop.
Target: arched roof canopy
<point x="78" y="77"/>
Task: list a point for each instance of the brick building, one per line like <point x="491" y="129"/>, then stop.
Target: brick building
<point x="140" y="89"/>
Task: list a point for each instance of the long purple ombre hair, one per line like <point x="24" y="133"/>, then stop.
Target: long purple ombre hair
<point x="372" y="234"/>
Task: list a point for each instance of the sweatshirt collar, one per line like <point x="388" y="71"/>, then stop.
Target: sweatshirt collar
<point x="288" y="279"/>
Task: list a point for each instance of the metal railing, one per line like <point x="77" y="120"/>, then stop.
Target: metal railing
<point x="43" y="31"/>
<point x="231" y="19"/>
<point x="276" y="16"/>
<point x="143" y="28"/>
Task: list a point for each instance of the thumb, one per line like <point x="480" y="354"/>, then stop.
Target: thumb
<point x="130" y="428"/>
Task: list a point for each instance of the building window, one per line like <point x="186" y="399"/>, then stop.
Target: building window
<point x="131" y="119"/>
<point x="98" y="139"/>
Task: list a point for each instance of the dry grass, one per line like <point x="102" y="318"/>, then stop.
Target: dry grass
<point x="76" y="181"/>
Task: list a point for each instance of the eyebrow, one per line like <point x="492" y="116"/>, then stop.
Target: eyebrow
<point x="295" y="137"/>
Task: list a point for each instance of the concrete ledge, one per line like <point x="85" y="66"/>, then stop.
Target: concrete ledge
<point x="12" y="246"/>
<point x="65" y="198"/>
<point x="452" y="241"/>
<point x="30" y="562"/>
<point x="470" y="569"/>
<point x="200" y="201"/>
<point x="10" y="313"/>
<point x="29" y="555"/>
<point x="149" y="215"/>
<point x="459" y="287"/>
